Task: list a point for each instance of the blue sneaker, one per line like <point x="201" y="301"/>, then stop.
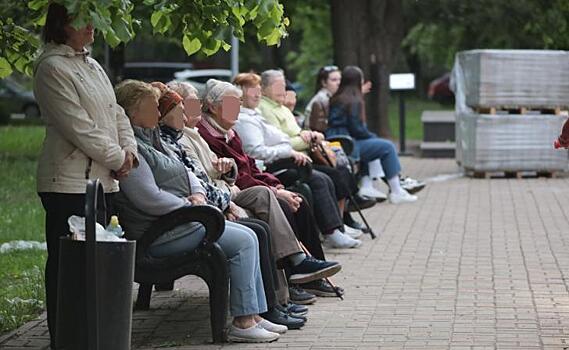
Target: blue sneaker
<point x="311" y="269"/>
<point x="296" y="309"/>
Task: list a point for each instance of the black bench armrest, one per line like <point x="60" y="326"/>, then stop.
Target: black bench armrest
<point x="210" y="217"/>
<point x="288" y="172"/>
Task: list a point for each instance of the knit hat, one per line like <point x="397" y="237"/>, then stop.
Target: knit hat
<point x="168" y="101"/>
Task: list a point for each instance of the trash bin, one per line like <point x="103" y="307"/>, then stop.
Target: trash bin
<point x="94" y="297"/>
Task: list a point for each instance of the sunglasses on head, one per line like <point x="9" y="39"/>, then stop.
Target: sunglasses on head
<point x="330" y="68"/>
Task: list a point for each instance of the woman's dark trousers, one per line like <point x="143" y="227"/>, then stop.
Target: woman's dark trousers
<point x="58" y="208"/>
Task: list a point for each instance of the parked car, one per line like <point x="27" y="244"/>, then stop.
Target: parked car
<point x="440" y="91"/>
<point x="198" y="77"/>
<point x="153" y="71"/>
<point x="16" y="100"/>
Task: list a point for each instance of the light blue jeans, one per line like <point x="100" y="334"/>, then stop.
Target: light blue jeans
<point x="382" y="149"/>
<point x="240" y="245"/>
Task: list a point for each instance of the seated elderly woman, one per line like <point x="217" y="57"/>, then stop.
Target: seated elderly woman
<point x="216" y="129"/>
<point x="259" y="199"/>
<point x="161" y="185"/>
<point x="263" y="140"/>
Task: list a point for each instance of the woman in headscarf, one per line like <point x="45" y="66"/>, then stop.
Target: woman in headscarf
<point x="216" y="129"/>
<point x="259" y="199"/>
<point x="161" y="185"/>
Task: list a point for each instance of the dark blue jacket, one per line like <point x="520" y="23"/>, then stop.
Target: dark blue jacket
<point x="346" y="121"/>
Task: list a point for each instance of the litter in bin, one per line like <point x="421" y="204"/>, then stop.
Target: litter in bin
<point x="77" y="229"/>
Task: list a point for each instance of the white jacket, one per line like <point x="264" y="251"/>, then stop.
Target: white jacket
<point x="260" y="139"/>
<point x="87" y="132"/>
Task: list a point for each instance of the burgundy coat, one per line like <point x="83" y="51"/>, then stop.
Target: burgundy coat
<point x="564" y="137"/>
<point x="248" y="174"/>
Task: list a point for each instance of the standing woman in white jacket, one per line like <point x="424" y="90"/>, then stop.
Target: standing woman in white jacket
<point x="88" y="135"/>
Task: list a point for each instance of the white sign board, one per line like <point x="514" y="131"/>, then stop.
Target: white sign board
<point x="405" y="81"/>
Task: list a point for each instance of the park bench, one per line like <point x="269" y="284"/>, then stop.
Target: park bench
<point x="207" y="261"/>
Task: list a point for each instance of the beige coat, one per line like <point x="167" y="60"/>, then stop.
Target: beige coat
<point x="196" y="148"/>
<point x="87" y="132"/>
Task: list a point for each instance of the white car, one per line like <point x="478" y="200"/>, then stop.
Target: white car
<point x="198" y="77"/>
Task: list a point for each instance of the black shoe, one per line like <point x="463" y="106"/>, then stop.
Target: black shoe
<point x="274" y="315"/>
<point x="292" y="314"/>
<point x="311" y="269"/>
<point x="349" y="220"/>
<point x="300" y="296"/>
<point x="296" y="309"/>
<point x="321" y="288"/>
<point x="362" y="202"/>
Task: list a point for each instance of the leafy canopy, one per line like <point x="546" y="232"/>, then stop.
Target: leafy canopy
<point x="439" y="28"/>
<point x="201" y="25"/>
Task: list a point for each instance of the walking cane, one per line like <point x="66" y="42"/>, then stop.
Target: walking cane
<point x="336" y="289"/>
<point x="352" y="199"/>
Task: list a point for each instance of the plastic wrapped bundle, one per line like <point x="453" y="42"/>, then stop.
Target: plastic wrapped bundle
<point x="510" y="142"/>
<point x="512" y="78"/>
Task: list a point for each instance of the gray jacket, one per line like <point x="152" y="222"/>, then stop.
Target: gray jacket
<point x="157" y="187"/>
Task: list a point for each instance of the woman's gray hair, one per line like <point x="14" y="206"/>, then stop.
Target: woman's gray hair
<point x="268" y="76"/>
<point x="215" y="90"/>
<point x="183" y="88"/>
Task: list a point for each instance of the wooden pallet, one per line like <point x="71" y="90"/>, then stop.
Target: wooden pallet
<point x="522" y="110"/>
<point x="515" y="174"/>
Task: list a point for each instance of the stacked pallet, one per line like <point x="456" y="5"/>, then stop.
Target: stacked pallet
<point x="510" y="106"/>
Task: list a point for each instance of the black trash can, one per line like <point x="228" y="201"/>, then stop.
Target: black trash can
<point x="94" y="297"/>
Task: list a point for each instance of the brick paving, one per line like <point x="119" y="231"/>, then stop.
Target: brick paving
<point x="475" y="264"/>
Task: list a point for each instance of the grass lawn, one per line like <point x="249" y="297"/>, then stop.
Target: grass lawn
<point x="414" y="107"/>
<point x="21" y="217"/>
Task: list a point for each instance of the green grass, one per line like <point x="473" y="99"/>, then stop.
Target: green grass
<point x="414" y="107"/>
<point x="22" y="295"/>
<point x="21" y="217"/>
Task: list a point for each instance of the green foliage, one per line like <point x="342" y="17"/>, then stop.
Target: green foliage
<point x="312" y="20"/>
<point x="207" y="26"/>
<point x="438" y="29"/>
<point x="18" y="42"/>
<point x="201" y="25"/>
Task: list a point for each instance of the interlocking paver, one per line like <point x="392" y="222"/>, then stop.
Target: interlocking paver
<point x="475" y="264"/>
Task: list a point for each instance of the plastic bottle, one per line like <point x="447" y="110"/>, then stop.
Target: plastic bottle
<point x="114" y="227"/>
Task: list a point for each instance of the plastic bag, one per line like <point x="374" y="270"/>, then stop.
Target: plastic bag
<point x="77" y="229"/>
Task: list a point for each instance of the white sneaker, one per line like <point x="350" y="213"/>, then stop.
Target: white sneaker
<point x="403" y="197"/>
<point x="255" y="334"/>
<point x="273" y="327"/>
<point x="368" y="190"/>
<point x="352" y="232"/>
<point x="411" y="185"/>
<point x="372" y="193"/>
<point x="339" y="240"/>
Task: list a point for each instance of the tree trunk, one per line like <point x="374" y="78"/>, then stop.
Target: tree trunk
<point x="117" y="59"/>
<point x="368" y="33"/>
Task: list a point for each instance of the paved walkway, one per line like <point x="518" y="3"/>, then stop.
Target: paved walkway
<point x="475" y="264"/>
